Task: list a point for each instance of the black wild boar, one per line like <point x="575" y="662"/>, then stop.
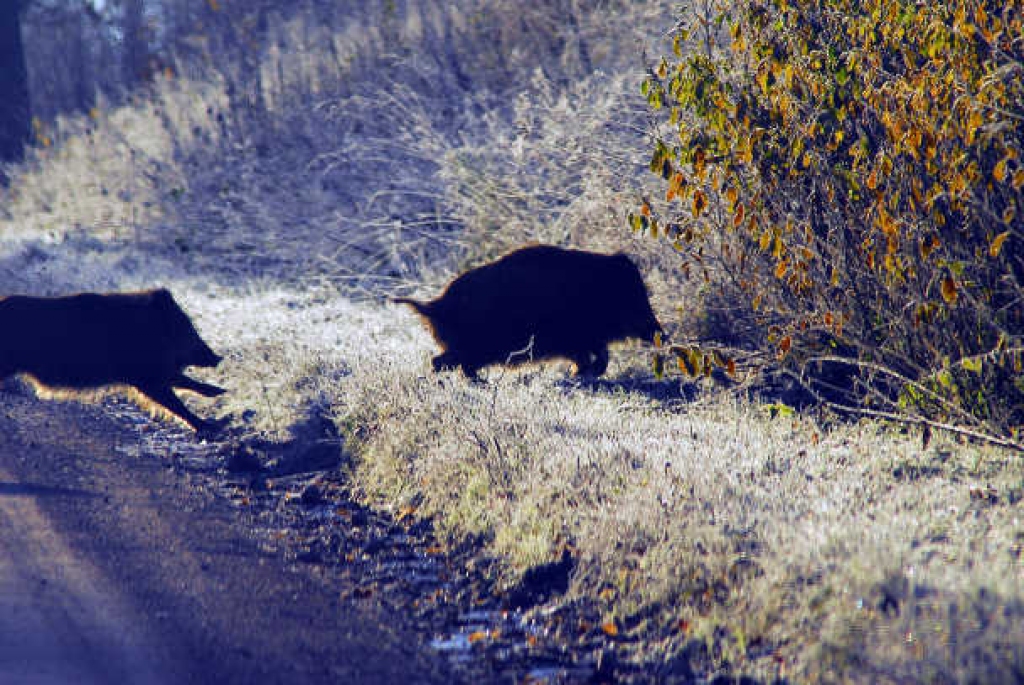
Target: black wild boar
<point x="90" y="340"/>
<point x="537" y="303"/>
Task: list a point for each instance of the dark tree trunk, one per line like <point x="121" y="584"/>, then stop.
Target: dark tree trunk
<point x="15" y="113"/>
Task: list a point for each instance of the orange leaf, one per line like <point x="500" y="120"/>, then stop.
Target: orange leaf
<point x="997" y="244"/>
<point x="732" y="196"/>
<point x="700" y="203"/>
<point x="737" y="218"/>
<point x="949" y="290"/>
<point x="476" y="636"/>
<point x="784" y="345"/>
<point x="609" y="628"/>
<point x="1018" y="179"/>
<point x="1001" y="169"/>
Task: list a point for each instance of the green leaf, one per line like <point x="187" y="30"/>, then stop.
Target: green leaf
<point x="972" y="364"/>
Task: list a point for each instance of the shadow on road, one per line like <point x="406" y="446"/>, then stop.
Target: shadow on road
<point x="36" y="490"/>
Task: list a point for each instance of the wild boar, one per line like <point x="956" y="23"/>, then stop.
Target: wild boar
<point x="539" y="302"/>
<point x="90" y="341"/>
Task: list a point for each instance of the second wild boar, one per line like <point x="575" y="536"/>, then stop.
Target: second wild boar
<point x="539" y="302"/>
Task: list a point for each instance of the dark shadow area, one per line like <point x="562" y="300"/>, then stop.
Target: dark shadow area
<point x="694" y="660"/>
<point x="37" y="490"/>
<point x="315" y="446"/>
<point x="665" y="390"/>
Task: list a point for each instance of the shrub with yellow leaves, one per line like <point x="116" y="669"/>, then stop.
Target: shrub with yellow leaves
<point x="860" y="167"/>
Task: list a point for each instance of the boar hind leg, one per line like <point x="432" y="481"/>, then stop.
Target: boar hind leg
<point x="165" y="397"/>
<point x="183" y="382"/>
<point x="445" y="361"/>
<point x="450" y="360"/>
<point x="593" y="363"/>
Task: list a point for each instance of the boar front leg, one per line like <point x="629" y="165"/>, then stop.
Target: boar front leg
<point x="183" y="382"/>
<point x="165" y="397"/>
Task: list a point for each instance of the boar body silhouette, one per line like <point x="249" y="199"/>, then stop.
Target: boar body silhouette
<point x="90" y="340"/>
<point x="538" y="303"/>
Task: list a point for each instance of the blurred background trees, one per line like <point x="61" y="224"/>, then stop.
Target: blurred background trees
<point x="14" y="97"/>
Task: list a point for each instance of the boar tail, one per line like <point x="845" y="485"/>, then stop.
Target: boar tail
<point x="424" y="308"/>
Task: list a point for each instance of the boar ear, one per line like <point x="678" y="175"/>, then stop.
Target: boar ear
<point x="163" y="298"/>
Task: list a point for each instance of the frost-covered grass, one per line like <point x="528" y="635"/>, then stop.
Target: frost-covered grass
<point x="849" y="554"/>
<point x="713" y="531"/>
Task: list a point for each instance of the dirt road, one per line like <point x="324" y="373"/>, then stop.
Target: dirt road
<point x="115" y="569"/>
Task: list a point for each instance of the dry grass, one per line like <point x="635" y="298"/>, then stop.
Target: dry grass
<point x="714" y="531"/>
<point x="850" y="553"/>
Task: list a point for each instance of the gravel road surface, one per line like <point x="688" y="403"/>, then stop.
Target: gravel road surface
<point x="115" y="568"/>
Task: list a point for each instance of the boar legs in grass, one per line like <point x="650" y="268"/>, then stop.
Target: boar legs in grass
<point x="592" y="363"/>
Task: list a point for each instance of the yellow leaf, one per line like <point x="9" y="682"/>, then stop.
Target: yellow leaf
<point x="777" y="250"/>
<point x="949" y="290"/>
<point x="731" y="195"/>
<point x="1001" y="170"/>
<point x="997" y="244"/>
<point x="1008" y="214"/>
<point x="1018" y="179"/>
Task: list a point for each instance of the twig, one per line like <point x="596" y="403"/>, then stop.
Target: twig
<point x="914" y="420"/>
